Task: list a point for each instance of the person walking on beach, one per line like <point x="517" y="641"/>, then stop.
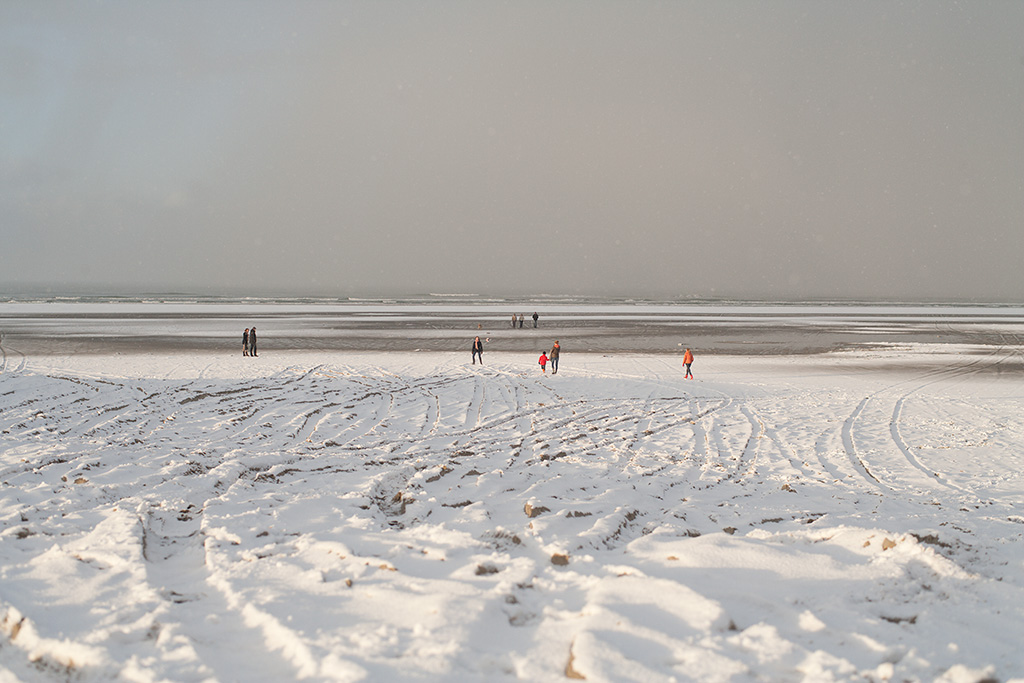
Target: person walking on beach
<point x="478" y="350"/>
<point x="543" y="360"/>
<point x="513" y="321"/>
<point x="687" y="362"/>
<point x="553" y="356"/>
<point x="252" y="341"/>
<point x="520" y="321"/>
<point x="245" y="342"/>
<point x="535" y="316"/>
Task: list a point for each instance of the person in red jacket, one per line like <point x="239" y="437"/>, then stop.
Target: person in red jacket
<point x="687" y="362"/>
<point x="543" y="360"/>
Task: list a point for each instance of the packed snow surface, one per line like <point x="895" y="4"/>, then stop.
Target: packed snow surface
<point x="345" y="515"/>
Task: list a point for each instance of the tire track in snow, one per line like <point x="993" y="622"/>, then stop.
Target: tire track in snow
<point x="851" y="450"/>
<point x="475" y="406"/>
<point x="901" y="444"/>
<point x="771" y="433"/>
<point x="895" y="421"/>
<point x="749" y="456"/>
<point x="929" y="378"/>
<point x="173" y="543"/>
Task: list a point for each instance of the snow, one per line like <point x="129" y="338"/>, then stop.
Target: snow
<point x="346" y="515"/>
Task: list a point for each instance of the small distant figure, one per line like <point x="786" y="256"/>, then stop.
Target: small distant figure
<point x="687" y="362"/>
<point x="520" y="321"/>
<point x="478" y="350"/>
<point x="252" y="341"/>
<point x="535" y="317"/>
<point x="245" y="342"/>
<point x="553" y="357"/>
<point x="543" y="360"/>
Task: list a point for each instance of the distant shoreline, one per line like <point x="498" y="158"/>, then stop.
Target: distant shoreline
<point x="176" y="298"/>
<point x="734" y="329"/>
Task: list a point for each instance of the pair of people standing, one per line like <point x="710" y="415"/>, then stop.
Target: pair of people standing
<point x="551" y="357"/>
<point x="249" y="342"/>
<point x="478" y="353"/>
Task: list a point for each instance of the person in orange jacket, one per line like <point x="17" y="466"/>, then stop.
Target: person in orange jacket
<point x="543" y="360"/>
<point x="687" y="362"/>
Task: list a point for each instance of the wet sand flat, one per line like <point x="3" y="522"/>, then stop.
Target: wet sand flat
<point x="733" y="330"/>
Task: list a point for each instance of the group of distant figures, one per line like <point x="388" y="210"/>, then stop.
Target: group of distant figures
<point x="518" y="321"/>
<point x="545" y="358"/>
<point x="249" y="342"/>
<point x="249" y="349"/>
<point x="556" y="350"/>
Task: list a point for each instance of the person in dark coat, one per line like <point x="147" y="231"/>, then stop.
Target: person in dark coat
<point x="478" y="350"/>
<point x="535" y="316"/>
<point x="245" y="342"/>
<point x="553" y="357"/>
<point x="252" y="341"/>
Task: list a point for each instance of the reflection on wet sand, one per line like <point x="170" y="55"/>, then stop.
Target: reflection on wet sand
<point x="733" y="330"/>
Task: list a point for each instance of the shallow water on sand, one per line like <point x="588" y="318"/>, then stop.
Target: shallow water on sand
<point x="608" y="327"/>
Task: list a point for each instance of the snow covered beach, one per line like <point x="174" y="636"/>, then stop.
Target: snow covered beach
<point x="174" y="511"/>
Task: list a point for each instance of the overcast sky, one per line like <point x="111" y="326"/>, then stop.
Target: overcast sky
<point x="753" y="149"/>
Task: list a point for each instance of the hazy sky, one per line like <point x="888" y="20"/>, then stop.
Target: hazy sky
<point x="758" y="149"/>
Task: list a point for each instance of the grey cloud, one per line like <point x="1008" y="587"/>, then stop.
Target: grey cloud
<point x="785" y="149"/>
